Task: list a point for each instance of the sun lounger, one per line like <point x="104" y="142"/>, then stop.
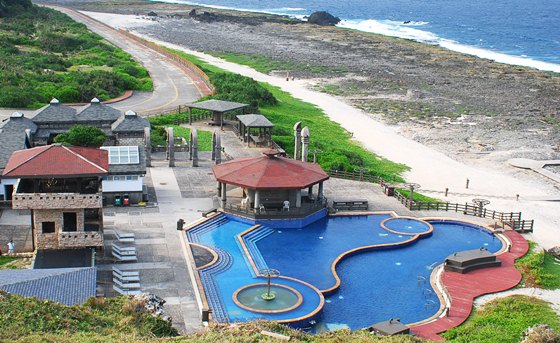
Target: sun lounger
<point x="125" y="237"/>
<point x="126" y="291"/>
<point x="126" y="285"/>
<point x="122" y="272"/>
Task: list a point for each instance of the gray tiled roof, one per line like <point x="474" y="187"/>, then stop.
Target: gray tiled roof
<point x="55" y="113"/>
<point x="97" y="111"/>
<point x="254" y="120"/>
<point x="12" y="135"/>
<point x="217" y="105"/>
<point x="130" y="122"/>
<point x="68" y="286"/>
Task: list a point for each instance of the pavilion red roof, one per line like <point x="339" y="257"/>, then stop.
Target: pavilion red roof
<point x="57" y="161"/>
<point x="269" y="172"/>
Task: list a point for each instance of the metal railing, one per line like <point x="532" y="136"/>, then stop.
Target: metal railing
<point x="306" y="209"/>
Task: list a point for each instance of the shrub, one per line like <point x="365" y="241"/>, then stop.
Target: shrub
<point x="80" y="135"/>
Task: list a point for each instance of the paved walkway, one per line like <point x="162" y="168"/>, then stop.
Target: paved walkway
<point x="464" y="288"/>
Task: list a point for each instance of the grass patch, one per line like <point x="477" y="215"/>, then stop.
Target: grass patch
<point x="6" y="260"/>
<point x="9" y="262"/>
<point x="159" y="137"/>
<point x="338" y="151"/>
<point x="266" y="64"/>
<point x="539" y="269"/>
<point x="417" y="197"/>
<point x="44" y="54"/>
<point x="504" y="320"/>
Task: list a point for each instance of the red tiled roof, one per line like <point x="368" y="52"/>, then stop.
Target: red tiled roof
<point x="57" y="160"/>
<point x="269" y="172"/>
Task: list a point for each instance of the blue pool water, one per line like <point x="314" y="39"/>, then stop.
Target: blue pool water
<point x="375" y="284"/>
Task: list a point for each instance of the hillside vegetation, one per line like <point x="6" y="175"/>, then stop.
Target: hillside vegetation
<point x="45" y="54"/>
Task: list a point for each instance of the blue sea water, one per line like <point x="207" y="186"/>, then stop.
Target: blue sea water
<point x="519" y="32"/>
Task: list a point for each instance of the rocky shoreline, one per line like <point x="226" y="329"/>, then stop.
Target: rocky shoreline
<point x="473" y="110"/>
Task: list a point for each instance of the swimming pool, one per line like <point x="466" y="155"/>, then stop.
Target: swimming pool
<point x="351" y="271"/>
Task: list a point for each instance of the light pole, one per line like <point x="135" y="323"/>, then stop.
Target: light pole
<point x="411" y="187"/>
<point x="315" y="152"/>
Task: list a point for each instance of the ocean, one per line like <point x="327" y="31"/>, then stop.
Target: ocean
<point x="518" y="32"/>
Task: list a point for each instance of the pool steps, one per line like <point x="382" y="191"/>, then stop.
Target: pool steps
<point x="209" y="225"/>
<point x="251" y="240"/>
<point x="224" y="262"/>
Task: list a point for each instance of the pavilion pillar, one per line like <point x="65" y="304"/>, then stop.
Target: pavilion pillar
<point x="298" y="198"/>
<point x="219" y="188"/>
<point x="297" y="140"/>
<point x="224" y="195"/>
<point x="310" y="192"/>
<point x="148" y="143"/>
<point x="320" y="191"/>
<point x="257" y="199"/>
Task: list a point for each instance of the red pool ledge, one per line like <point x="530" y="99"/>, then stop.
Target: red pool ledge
<point x="464" y="288"/>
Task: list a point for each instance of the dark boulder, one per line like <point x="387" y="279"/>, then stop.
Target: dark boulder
<point x="192" y="13"/>
<point x="152" y="14"/>
<point x="555" y="251"/>
<point x="323" y="18"/>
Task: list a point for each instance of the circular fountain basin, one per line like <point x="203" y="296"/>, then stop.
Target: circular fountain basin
<point x="407" y="226"/>
<point x="250" y="297"/>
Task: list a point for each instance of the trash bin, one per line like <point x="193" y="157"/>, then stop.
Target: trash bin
<point x="118" y="201"/>
<point x="126" y="200"/>
<point x="390" y="190"/>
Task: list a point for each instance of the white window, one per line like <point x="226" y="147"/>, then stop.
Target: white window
<point x="132" y="177"/>
<point x="122" y="154"/>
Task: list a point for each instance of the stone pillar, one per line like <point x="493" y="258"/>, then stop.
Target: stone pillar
<point x="297" y="140"/>
<point x="170" y="147"/>
<point x="298" y="198"/>
<point x="310" y="192"/>
<point x="219" y="188"/>
<point x="148" y="145"/>
<point x="217" y="147"/>
<point x="320" y="191"/>
<point x="305" y="143"/>
<point x="194" y="147"/>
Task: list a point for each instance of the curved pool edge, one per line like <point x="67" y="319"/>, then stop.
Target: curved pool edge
<point x="458" y="311"/>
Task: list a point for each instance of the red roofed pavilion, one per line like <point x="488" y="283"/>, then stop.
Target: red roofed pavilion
<point x="271" y="181"/>
<point x="57" y="161"/>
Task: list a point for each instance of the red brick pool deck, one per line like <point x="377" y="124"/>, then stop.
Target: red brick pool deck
<point x="464" y="288"/>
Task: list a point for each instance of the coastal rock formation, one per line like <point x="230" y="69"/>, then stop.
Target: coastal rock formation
<point x="323" y="18"/>
<point x="555" y="251"/>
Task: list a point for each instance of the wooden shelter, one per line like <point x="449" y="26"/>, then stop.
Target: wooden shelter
<point x="218" y="109"/>
<point x="256" y="128"/>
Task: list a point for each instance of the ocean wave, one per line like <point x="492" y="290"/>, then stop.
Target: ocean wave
<point x="401" y="30"/>
<point x="276" y="11"/>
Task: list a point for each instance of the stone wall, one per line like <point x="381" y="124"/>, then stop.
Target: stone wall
<point x="123" y="140"/>
<point x="31" y="201"/>
<point x="60" y="239"/>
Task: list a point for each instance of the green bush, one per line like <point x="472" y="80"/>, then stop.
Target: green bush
<point x="80" y="135"/>
<point x="237" y="88"/>
<point x="43" y="50"/>
<point x="539" y="269"/>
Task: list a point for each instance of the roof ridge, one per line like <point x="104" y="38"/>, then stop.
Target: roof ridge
<point x="29" y="159"/>
<point x="85" y="159"/>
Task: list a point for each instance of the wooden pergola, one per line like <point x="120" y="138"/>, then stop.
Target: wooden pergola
<point x="217" y="107"/>
<point x="249" y="123"/>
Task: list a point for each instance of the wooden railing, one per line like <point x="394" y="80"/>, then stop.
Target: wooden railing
<point x="340" y="174"/>
<point x="305" y="210"/>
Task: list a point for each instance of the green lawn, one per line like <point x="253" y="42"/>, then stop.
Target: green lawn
<point x="338" y="151"/>
<point x="504" y="321"/>
<point x="5" y="260"/>
<point x="539" y="269"/>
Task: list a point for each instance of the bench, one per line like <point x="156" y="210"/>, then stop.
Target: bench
<point x="125" y="237"/>
<point x="350" y="205"/>
<point x="126" y="291"/>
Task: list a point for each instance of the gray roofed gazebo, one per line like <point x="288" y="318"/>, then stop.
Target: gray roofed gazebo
<point x="255" y="121"/>
<point x="218" y="108"/>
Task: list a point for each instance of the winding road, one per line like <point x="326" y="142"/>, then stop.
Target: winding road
<point x="172" y="85"/>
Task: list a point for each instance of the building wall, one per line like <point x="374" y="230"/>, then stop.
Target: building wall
<point x="60" y="239"/>
<point x="32" y="201"/>
<point x="124" y="140"/>
<point x="6" y="182"/>
<point x="123" y="186"/>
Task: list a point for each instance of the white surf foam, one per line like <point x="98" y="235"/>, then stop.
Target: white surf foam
<point x="402" y="30"/>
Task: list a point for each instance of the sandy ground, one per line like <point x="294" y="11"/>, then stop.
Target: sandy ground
<point x="434" y="171"/>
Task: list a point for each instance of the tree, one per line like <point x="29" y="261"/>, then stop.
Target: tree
<point x="80" y="135"/>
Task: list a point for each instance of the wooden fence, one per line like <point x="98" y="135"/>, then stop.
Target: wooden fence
<point x="511" y="219"/>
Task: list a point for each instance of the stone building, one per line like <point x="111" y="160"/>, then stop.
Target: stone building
<point x="123" y="130"/>
<point x="62" y="188"/>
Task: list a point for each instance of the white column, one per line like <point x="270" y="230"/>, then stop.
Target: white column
<point x="298" y="198"/>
